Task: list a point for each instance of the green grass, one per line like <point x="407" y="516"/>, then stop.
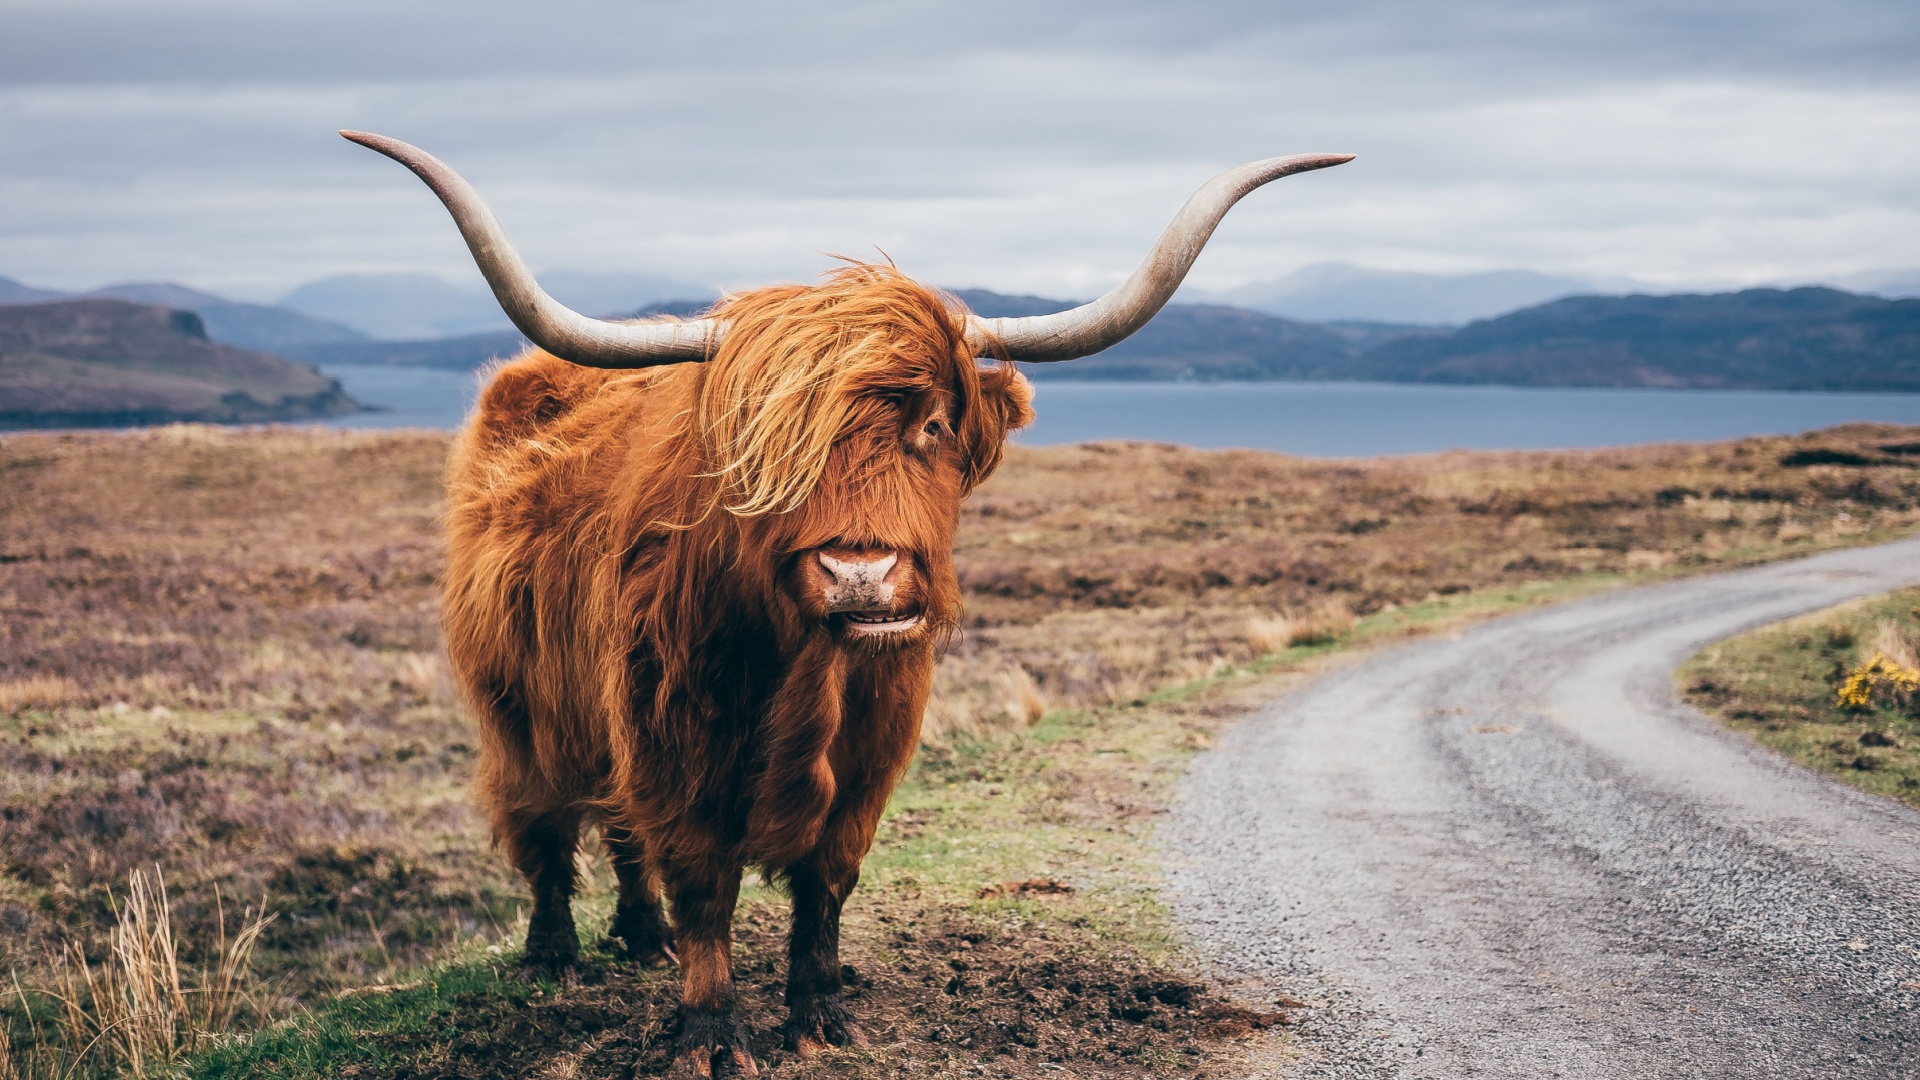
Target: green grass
<point x="335" y="1038"/>
<point x="1780" y="685"/>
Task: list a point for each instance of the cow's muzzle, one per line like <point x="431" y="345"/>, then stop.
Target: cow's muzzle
<point x="866" y="588"/>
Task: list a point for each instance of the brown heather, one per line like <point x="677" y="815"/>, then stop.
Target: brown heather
<point x="219" y="653"/>
<point x="1110" y="569"/>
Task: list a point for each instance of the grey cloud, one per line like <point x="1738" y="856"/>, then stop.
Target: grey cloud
<point x="1495" y="40"/>
<point x="1031" y="146"/>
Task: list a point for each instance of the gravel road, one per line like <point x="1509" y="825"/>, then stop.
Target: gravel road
<point x="1513" y="852"/>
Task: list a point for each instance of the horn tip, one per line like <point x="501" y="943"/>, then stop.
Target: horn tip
<point x="379" y="143"/>
<point x="1311" y="162"/>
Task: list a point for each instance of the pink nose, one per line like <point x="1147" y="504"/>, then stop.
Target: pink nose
<point x="859" y="584"/>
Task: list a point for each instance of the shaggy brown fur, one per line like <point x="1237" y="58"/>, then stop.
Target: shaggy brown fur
<point x="634" y="603"/>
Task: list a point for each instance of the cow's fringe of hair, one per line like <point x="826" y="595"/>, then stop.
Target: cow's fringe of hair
<point x="794" y="366"/>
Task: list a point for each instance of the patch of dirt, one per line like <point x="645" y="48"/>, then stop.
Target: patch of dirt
<point x="1030" y="887"/>
<point x="955" y="999"/>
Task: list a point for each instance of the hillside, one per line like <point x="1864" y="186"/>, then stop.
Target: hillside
<point x="106" y="362"/>
<point x="16" y="292"/>
<point x="414" y="307"/>
<point x="1328" y="291"/>
<point x="1215" y="342"/>
<point x="229" y="322"/>
<point x="248" y="326"/>
<point x="1797" y="339"/>
<point x="1185" y="341"/>
<point x="1205" y="341"/>
<point x="461" y="352"/>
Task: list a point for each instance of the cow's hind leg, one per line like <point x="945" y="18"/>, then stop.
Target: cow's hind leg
<point x="542" y="848"/>
<point x="637" y="919"/>
<point x="712" y="1041"/>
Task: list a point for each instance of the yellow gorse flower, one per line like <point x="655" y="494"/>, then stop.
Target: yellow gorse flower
<point x="1879" y="673"/>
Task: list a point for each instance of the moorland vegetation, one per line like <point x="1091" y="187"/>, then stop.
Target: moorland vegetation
<point x="220" y="666"/>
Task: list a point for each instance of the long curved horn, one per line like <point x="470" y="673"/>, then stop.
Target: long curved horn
<point x="1082" y="331"/>
<point x="547" y="323"/>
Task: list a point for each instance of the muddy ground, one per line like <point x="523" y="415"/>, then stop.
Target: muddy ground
<point x="937" y="995"/>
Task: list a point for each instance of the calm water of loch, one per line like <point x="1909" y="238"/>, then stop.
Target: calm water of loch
<point x="1316" y="419"/>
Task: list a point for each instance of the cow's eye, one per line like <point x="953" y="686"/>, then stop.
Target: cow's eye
<point x="935" y="428"/>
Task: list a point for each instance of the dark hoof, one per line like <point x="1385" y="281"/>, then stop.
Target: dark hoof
<point x="644" y="940"/>
<point x="818" y="1023"/>
<point x="645" y="955"/>
<point x="553" y="955"/>
<point x="711" y="1044"/>
<point x="564" y="970"/>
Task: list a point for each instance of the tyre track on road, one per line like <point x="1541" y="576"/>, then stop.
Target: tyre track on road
<point x="1515" y="852"/>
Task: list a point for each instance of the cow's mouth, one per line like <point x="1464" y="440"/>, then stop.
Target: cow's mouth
<point x="875" y="623"/>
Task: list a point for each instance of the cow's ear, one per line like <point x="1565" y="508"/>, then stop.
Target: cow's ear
<point x="1004" y="405"/>
<point x="1010" y="393"/>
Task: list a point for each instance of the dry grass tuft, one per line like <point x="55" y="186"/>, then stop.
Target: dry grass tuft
<point x="140" y="1008"/>
<point x="1024" y="701"/>
<point x="1891" y="641"/>
<point x="986" y="709"/>
<point x="37" y="692"/>
<point x="1269" y="633"/>
<point x="1321" y="624"/>
<point x="948" y="722"/>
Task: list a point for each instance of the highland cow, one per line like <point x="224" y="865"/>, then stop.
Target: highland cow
<point x="698" y="604"/>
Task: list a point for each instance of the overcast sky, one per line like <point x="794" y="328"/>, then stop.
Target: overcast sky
<point x="1024" y="146"/>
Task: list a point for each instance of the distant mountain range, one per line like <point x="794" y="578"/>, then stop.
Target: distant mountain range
<point x="375" y="307"/>
<point x="412" y="307"/>
<point x="1809" y="338"/>
<point x="246" y="326"/>
<point x="1803" y="339"/>
<point x="1890" y="284"/>
<point x="13" y="292"/>
<point x="1341" y="291"/>
<point x="1792" y="339"/>
<point x="1207" y="341"/>
<point x="102" y="361"/>
<point x="1337" y="291"/>
<point x="461" y="352"/>
<point x="1185" y="341"/>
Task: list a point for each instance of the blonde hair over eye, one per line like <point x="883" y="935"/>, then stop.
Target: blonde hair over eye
<point x="800" y="363"/>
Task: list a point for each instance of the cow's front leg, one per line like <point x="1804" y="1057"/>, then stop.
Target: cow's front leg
<point x="712" y="1041"/>
<point x="817" y="1014"/>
